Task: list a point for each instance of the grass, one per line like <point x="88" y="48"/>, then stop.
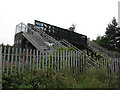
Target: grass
<point x="63" y="79"/>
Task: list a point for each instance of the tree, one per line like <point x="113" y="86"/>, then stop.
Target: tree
<point x="72" y="28"/>
<point x="111" y="39"/>
<point x="5" y="46"/>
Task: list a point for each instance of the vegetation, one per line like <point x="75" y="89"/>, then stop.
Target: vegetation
<point x="72" y="28"/>
<point x="111" y="39"/>
<point x="64" y="79"/>
<point x="66" y="48"/>
<point x="7" y="46"/>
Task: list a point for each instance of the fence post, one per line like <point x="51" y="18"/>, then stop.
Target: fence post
<point x="76" y="60"/>
<point x="52" y="61"/>
<point x="71" y="59"/>
<point x="40" y="60"/>
<point x="55" y="61"/>
<point x="0" y="67"/>
<point x="4" y="60"/>
<point x="30" y="60"/>
<point x="58" y="61"/>
<point x="8" y="58"/>
<point x="46" y="59"/>
<point x="119" y="73"/>
<point x="85" y="61"/>
<point x="16" y="55"/>
<point x="33" y="62"/>
<point x="37" y="59"/>
<point x="20" y="54"/>
<point x="12" y="60"/>
<point x="23" y="60"/>
<point x="66" y="58"/>
<point x="63" y="59"/>
<point x="49" y="58"/>
<point x="43" y="60"/>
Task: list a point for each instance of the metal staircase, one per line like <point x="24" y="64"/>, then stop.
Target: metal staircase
<point x="67" y="44"/>
<point x="109" y="63"/>
<point x="42" y="41"/>
<point x="102" y="51"/>
<point x="90" y="62"/>
<point x="110" y="59"/>
<point x="34" y="41"/>
<point x="33" y="37"/>
<point x="48" y="39"/>
<point x="39" y="39"/>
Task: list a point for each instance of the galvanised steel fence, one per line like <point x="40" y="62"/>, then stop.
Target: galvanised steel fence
<point x="19" y="60"/>
<point x="14" y="59"/>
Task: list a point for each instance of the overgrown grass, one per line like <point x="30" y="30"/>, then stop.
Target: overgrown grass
<point x="63" y="79"/>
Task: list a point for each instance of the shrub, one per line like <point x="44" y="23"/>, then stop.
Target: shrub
<point x="64" y="79"/>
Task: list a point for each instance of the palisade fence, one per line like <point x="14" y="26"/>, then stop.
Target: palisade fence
<point x="17" y="60"/>
<point x="0" y="68"/>
<point x="22" y="60"/>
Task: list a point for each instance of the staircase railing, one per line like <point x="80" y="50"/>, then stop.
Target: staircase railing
<point x="42" y="38"/>
<point x="48" y="38"/>
<point x="32" y="36"/>
<point x="89" y="60"/>
<point x="102" y="51"/>
<point x="70" y="45"/>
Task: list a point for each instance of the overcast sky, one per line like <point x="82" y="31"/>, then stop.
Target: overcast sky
<point x="91" y="17"/>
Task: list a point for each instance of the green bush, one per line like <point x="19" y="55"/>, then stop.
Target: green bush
<point x="64" y="79"/>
